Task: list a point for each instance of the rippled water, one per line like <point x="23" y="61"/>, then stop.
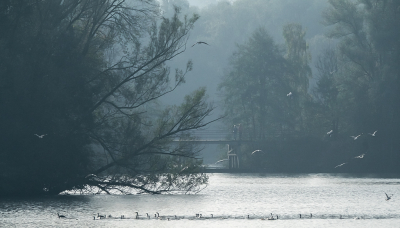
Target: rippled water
<point x="234" y="200"/>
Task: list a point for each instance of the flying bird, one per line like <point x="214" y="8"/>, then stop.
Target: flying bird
<point x="256" y="151"/>
<point x="360" y="156"/>
<point x="330" y="133"/>
<point x="289" y="94"/>
<point x="350" y="160"/>
<point x="185" y="168"/>
<point x="373" y="134"/>
<point x="221" y="161"/>
<point x="40" y="136"/>
<point x="340" y="165"/>
<point x="200" y="42"/>
<point x="388" y="197"/>
<point x="356" y="137"/>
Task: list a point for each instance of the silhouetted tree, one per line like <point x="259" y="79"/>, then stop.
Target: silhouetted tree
<point x="83" y="74"/>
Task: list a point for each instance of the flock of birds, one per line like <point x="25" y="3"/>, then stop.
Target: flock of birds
<point x="329" y="133"/>
<point x="174" y="217"/>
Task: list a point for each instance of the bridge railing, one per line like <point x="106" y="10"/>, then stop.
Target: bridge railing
<point x="211" y="135"/>
<point x="221" y="134"/>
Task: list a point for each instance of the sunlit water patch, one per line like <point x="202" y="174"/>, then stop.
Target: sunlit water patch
<point x="230" y="200"/>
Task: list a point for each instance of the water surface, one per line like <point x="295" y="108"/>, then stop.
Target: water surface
<point x="230" y="200"/>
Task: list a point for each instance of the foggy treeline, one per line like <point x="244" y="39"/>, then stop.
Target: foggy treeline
<point x="337" y="59"/>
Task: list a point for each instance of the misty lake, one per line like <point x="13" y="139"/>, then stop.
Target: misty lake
<point x="230" y="200"/>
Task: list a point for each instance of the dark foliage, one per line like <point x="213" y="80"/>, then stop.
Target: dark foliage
<point x="76" y="80"/>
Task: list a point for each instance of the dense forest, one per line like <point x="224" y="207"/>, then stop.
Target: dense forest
<point x="346" y="122"/>
<point x="337" y="59"/>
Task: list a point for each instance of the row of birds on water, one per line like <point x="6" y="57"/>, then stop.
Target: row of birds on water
<point x="201" y="217"/>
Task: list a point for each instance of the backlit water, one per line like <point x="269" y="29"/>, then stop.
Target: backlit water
<point x="234" y="200"/>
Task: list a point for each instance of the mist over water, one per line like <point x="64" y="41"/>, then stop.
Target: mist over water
<point x="320" y="108"/>
<point x="230" y="198"/>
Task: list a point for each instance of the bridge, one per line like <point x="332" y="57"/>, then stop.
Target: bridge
<point x="210" y="141"/>
<point x="219" y="137"/>
<point x="211" y="134"/>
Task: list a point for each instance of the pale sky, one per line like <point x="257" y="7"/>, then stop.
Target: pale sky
<point x="202" y="3"/>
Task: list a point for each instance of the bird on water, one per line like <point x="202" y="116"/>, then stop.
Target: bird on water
<point x="61" y="216"/>
<point x="271" y="217"/>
